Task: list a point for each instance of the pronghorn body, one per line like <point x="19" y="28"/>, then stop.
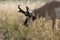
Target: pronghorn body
<point x="49" y="9"/>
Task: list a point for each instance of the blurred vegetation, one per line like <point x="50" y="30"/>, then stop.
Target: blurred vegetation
<point x="24" y="0"/>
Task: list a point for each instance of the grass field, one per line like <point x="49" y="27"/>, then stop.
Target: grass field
<point x="12" y="28"/>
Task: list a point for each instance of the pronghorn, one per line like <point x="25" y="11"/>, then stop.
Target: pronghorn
<point x="48" y="8"/>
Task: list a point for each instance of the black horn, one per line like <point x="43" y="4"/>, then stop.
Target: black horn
<point x="20" y="10"/>
<point x="27" y="8"/>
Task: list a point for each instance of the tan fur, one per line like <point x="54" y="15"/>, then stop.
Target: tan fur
<point x="50" y="8"/>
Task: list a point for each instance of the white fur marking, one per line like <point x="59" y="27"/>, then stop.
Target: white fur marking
<point x="31" y="12"/>
<point x="46" y="15"/>
<point x="57" y="10"/>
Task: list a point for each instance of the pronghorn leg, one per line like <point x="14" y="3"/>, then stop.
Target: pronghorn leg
<point x="52" y="13"/>
<point x="53" y="19"/>
<point x="53" y="23"/>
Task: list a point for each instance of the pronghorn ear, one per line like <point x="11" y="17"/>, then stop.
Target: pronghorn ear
<point x="27" y="8"/>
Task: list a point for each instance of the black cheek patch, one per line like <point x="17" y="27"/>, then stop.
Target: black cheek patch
<point x="33" y="18"/>
<point x="26" y="21"/>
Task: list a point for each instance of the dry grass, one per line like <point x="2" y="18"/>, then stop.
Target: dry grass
<point x="11" y="24"/>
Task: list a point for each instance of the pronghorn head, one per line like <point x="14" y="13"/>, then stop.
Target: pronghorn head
<point x="29" y="14"/>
